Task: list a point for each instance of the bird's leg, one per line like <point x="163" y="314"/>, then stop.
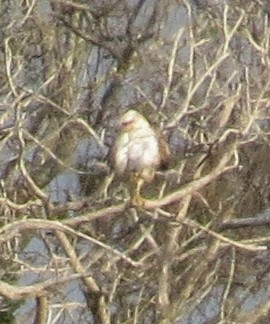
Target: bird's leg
<point x="138" y="197"/>
<point x="136" y="183"/>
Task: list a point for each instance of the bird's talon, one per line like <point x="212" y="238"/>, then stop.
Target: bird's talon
<point x="137" y="201"/>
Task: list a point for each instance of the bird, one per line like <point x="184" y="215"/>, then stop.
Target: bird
<point x="138" y="152"/>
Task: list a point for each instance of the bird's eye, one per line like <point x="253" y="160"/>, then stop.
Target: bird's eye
<point x="125" y="123"/>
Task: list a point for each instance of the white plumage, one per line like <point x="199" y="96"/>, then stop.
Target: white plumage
<point x="138" y="151"/>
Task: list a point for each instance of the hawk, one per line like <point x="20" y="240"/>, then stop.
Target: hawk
<point x="138" y="151"/>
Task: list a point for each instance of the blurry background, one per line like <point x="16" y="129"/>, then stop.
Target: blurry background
<point x="72" y="250"/>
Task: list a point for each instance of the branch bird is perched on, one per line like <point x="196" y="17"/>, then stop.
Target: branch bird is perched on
<point x="138" y="152"/>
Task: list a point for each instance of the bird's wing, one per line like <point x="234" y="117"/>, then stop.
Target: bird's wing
<point x="164" y="151"/>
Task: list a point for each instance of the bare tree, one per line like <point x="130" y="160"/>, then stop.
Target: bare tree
<point x="73" y="247"/>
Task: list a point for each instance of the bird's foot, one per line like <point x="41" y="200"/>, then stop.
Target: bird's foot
<point x="137" y="201"/>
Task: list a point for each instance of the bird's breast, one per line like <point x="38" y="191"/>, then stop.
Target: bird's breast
<point x="136" y="151"/>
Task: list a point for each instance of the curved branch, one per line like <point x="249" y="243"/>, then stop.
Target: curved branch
<point x="35" y="290"/>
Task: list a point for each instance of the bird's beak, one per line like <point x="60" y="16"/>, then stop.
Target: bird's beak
<point x="118" y="125"/>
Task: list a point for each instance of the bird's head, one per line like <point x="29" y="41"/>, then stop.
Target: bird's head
<point x="132" y="120"/>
